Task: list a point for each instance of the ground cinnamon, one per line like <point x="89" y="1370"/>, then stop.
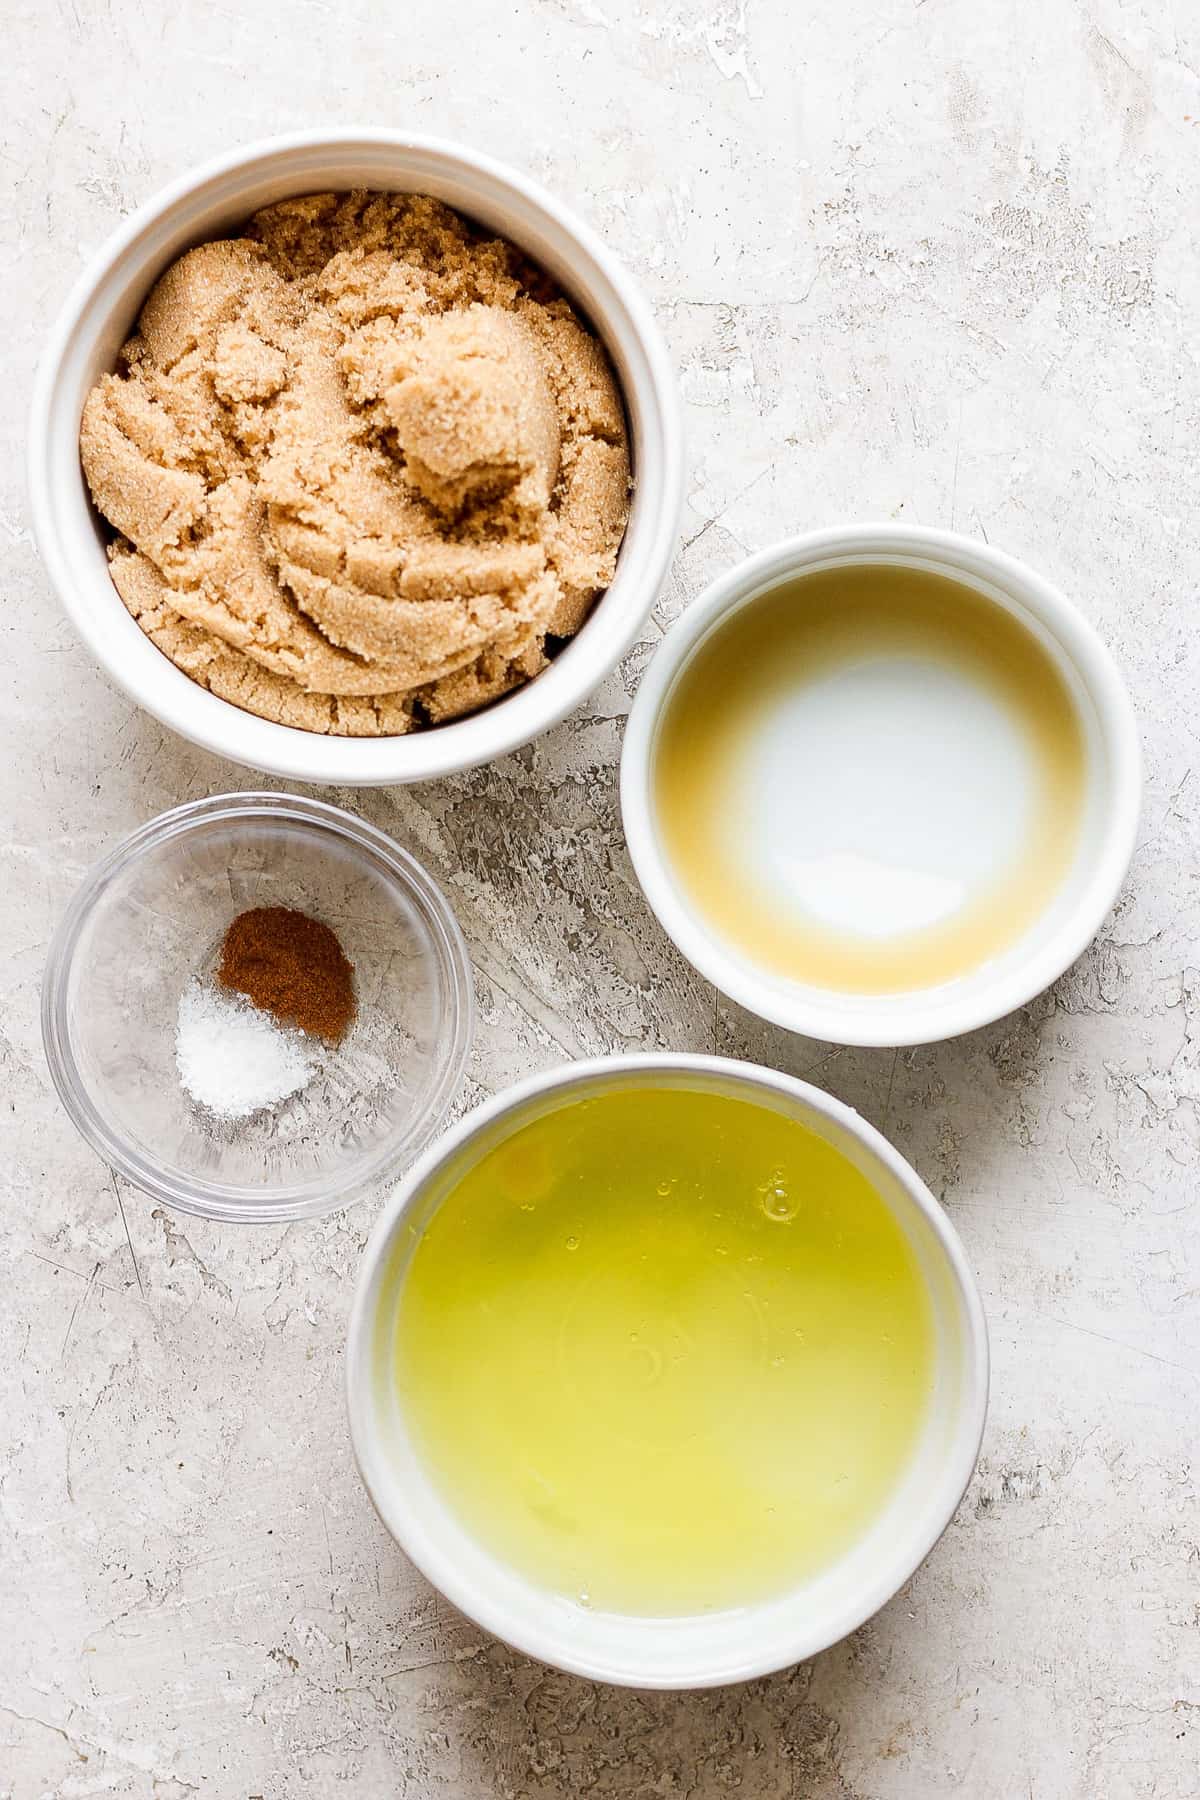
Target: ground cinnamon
<point x="292" y="967"/>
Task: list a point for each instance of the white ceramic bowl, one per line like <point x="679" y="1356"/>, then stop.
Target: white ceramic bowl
<point x="701" y="1651"/>
<point x="1108" y="830"/>
<point x="219" y="198"/>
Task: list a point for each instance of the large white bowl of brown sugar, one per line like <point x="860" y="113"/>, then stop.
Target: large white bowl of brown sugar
<point x="356" y="458"/>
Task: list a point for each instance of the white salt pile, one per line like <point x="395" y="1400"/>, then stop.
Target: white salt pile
<point x="232" y="1058"/>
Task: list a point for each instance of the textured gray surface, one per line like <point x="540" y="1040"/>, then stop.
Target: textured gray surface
<point x="917" y="259"/>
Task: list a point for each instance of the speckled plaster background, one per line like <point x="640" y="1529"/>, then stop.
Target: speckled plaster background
<point x="916" y="259"/>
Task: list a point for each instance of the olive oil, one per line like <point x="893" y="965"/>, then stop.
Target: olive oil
<point x="664" y="1351"/>
<point x="871" y="779"/>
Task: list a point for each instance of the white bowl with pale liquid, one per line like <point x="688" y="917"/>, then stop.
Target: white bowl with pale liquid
<point x="631" y="1646"/>
<point x="903" y="841"/>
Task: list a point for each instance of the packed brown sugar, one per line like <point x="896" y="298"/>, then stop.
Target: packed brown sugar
<point x="362" y="464"/>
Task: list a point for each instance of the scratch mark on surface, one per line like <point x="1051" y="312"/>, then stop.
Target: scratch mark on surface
<point x="66" y="1269"/>
<point x="1121" y="1344"/>
<point x="887" y="1105"/>
<point x="728" y="507"/>
<point x="1114" y="51"/>
<point x="112" y="1176"/>
<point x="333" y="1606"/>
<point x="78" y="1308"/>
<point x="811" y="1069"/>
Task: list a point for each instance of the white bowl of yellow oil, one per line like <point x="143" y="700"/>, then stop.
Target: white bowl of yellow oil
<point x="667" y="1370"/>
<point x="881" y="784"/>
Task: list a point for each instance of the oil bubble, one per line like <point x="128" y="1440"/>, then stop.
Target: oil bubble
<point x="776" y="1199"/>
<point x="572" y="1243"/>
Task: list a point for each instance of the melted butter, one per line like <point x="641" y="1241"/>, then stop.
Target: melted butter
<point x="871" y="778"/>
<point x="664" y="1351"/>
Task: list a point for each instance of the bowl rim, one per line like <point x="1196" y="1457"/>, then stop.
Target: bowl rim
<point x="541" y="1639"/>
<point x="626" y="320"/>
<point x="300" y="1200"/>
<point x="924" y="1020"/>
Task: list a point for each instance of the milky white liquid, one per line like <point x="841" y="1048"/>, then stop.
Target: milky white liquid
<point x="871" y="778"/>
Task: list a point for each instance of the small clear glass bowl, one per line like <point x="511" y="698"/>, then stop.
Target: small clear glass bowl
<point x="151" y="916"/>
